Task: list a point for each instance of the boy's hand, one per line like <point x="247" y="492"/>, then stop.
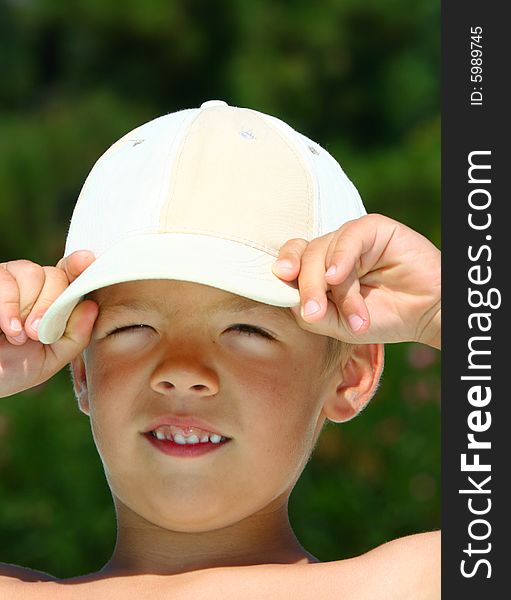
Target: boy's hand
<point x="26" y="292"/>
<point x="386" y="288"/>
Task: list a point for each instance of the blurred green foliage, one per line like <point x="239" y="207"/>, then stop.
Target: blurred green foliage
<point x="361" y="78"/>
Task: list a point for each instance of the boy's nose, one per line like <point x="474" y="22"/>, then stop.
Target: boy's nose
<point x="184" y="380"/>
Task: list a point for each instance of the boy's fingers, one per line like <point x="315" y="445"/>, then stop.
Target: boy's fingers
<point x="359" y="244"/>
<point x="20" y="284"/>
<point x="345" y="253"/>
<point x="343" y="256"/>
<point x="77" y="335"/>
<point x="287" y="266"/>
<point x="55" y="283"/>
<point x="10" y="318"/>
<point x="30" y="279"/>
<point x="76" y="263"/>
<point x="330" y="325"/>
<point x="311" y="280"/>
<point x="350" y="304"/>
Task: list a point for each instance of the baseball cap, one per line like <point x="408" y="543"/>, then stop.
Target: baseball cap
<point x="207" y="195"/>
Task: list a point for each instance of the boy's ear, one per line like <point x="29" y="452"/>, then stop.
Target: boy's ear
<point x="79" y="377"/>
<point x="358" y="383"/>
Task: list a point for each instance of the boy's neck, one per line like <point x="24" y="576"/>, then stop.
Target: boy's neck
<point x="263" y="538"/>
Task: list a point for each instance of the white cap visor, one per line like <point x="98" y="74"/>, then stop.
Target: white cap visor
<point x="221" y="263"/>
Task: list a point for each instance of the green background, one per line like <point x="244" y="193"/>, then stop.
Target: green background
<point x="359" y="77"/>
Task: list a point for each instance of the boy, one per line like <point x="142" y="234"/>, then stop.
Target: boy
<point x="206" y="368"/>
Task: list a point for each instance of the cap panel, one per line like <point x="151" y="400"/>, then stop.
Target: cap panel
<point x="339" y="200"/>
<point x="237" y="177"/>
<point x="133" y="173"/>
<point x="336" y="200"/>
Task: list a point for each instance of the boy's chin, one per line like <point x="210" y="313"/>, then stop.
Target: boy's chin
<point x="183" y="515"/>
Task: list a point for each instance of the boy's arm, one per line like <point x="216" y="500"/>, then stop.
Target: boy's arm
<point x="386" y="287"/>
<point x="26" y="291"/>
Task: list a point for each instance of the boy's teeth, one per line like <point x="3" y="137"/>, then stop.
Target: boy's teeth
<point x="172" y="433"/>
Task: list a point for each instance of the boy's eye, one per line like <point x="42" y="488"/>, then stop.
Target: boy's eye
<point x="241" y="327"/>
<point x="125" y="328"/>
<point x="251" y="330"/>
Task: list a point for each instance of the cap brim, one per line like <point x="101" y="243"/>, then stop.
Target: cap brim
<point x="221" y="263"/>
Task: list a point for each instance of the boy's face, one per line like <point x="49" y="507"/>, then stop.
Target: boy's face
<point x="189" y="360"/>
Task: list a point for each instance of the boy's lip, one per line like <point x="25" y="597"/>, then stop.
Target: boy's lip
<point x="183" y="422"/>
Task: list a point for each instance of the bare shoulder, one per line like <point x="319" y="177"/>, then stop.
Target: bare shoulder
<point x="21" y="582"/>
<point x="407" y="568"/>
<point x="419" y="553"/>
<point x="408" y="549"/>
<point x="402" y="569"/>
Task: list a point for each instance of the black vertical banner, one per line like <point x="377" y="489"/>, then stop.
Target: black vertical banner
<point x="476" y="267"/>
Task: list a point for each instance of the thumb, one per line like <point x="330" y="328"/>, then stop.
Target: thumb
<point x="78" y="333"/>
<point x="76" y="263"/>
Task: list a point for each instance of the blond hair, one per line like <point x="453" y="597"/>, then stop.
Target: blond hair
<point x="337" y="353"/>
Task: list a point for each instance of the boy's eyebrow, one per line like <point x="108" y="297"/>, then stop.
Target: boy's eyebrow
<point x="240" y="304"/>
<point x="235" y="304"/>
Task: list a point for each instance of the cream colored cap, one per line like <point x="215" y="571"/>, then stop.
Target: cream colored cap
<point x="207" y="195"/>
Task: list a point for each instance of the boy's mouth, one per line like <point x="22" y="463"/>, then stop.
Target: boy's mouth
<point x="190" y="448"/>
<point x="184" y="430"/>
<point x="188" y="436"/>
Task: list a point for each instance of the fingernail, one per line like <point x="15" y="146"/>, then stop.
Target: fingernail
<point x="331" y="271"/>
<point x="15" y="325"/>
<point x="355" y="322"/>
<point x="310" y="307"/>
<point x="283" y="264"/>
<point x="22" y="337"/>
<point x="35" y="324"/>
